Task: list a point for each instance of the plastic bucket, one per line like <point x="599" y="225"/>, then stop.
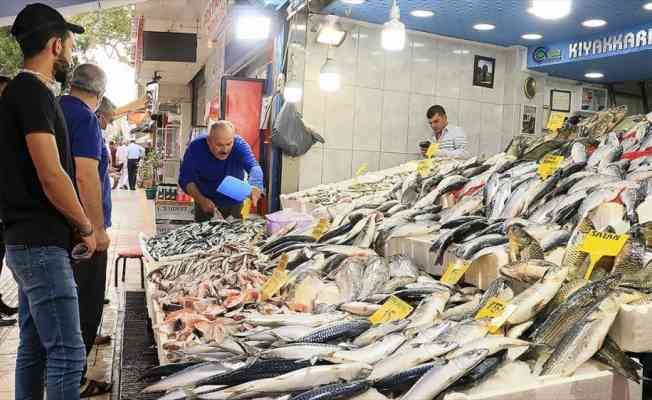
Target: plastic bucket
<point x="235" y="188"/>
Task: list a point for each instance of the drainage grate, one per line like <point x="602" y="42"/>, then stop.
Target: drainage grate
<point x="138" y="350"/>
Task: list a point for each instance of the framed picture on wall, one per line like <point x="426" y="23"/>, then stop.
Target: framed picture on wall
<point x="594" y="99"/>
<point x="484" y="71"/>
<point x="560" y="100"/>
<point x="528" y="119"/>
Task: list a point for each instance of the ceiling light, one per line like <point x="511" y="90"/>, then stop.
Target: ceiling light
<point x="422" y="13"/>
<point x="300" y="27"/>
<point x="331" y="32"/>
<point x="550" y="9"/>
<point x="532" y="36"/>
<point x="648" y="6"/>
<point x="594" y="23"/>
<point x="356" y="2"/>
<point x="393" y="35"/>
<point x="253" y="27"/>
<point x="292" y="92"/>
<point x="594" y="75"/>
<point x="329" y="77"/>
<point x="484" y="27"/>
<point x="459" y="51"/>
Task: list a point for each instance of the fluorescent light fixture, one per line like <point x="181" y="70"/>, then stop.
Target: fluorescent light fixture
<point x="648" y="6"/>
<point x="594" y="75"/>
<point x="532" y="36"/>
<point x="594" y="23"/>
<point x="331" y="32"/>
<point x="253" y="27"/>
<point x="329" y="77"/>
<point x="550" y="9"/>
<point x="460" y="51"/>
<point x="354" y="2"/>
<point x="292" y="92"/>
<point x="422" y="13"/>
<point x="484" y="27"/>
<point x="393" y="35"/>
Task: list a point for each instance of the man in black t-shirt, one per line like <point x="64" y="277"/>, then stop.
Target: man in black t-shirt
<point x="41" y="210"/>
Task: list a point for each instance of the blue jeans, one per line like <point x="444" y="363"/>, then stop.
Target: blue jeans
<point x="48" y="314"/>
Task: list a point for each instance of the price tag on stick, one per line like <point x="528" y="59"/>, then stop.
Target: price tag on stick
<point x="498" y="310"/>
<point x="321" y="228"/>
<point x="363" y="168"/>
<point x="393" y="310"/>
<point x="600" y="244"/>
<point x="455" y="271"/>
<point x="549" y="165"/>
<point x="277" y="280"/>
<point x="246" y="209"/>
<point x="432" y="150"/>
<point x="424" y="167"/>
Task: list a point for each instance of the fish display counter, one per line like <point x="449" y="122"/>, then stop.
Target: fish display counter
<point x="524" y="263"/>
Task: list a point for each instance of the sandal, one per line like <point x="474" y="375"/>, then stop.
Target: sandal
<point x="95" y="388"/>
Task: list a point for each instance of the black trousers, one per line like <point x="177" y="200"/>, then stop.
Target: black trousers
<point x="2" y="250"/>
<point x="132" y="171"/>
<point x="90" y="276"/>
<point x="234" y="211"/>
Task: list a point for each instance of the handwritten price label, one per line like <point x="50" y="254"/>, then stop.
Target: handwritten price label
<point x="363" y="168"/>
<point x="498" y="310"/>
<point x="455" y="271"/>
<point x="549" y="165"/>
<point x="393" y="310"/>
<point x="321" y="228"/>
<point x="246" y="209"/>
<point x="600" y="244"/>
<point x="277" y="280"/>
<point x="424" y="167"/>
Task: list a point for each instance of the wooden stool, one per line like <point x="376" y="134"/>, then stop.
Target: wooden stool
<point x="124" y="255"/>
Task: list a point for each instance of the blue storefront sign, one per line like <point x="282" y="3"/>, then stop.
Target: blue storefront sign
<point x="594" y="47"/>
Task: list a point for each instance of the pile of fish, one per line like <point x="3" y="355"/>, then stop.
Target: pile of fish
<point x="199" y="237"/>
<point x="313" y="339"/>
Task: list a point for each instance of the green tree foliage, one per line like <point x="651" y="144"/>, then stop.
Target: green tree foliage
<point x="108" y="29"/>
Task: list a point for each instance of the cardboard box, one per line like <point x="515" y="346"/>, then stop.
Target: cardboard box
<point x="174" y="210"/>
<point x="632" y="327"/>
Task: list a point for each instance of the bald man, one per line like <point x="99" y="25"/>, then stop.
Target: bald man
<point x="208" y="160"/>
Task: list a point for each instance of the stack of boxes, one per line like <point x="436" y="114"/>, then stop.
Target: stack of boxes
<point x="173" y="209"/>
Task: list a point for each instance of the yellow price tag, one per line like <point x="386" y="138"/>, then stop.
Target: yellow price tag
<point x="246" y="209"/>
<point x="493" y="308"/>
<point x="277" y="280"/>
<point x="499" y="320"/>
<point x="321" y="228"/>
<point x="432" y="150"/>
<point x="393" y="310"/>
<point x="599" y="244"/>
<point x="549" y="165"/>
<point x="363" y="168"/>
<point x="556" y="121"/>
<point x="455" y="271"/>
<point x="424" y="167"/>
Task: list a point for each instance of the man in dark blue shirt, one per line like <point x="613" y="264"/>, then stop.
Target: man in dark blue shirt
<point x="208" y="160"/>
<point x="91" y="166"/>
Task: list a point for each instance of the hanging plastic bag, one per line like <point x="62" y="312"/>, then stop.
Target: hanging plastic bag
<point x="291" y="134"/>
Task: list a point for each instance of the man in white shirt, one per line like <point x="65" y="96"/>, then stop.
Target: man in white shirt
<point x="451" y="139"/>
<point x="121" y="163"/>
<point x="134" y="153"/>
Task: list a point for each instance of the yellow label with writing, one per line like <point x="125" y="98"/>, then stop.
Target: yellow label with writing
<point x="499" y="320"/>
<point x="321" y="228"/>
<point x="599" y="244"/>
<point x="363" y="168"/>
<point x="556" y="121"/>
<point x="493" y="308"/>
<point x="424" y="167"/>
<point x="455" y="271"/>
<point x="549" y="165"/>
<point x="277" y="280"/>
<point x="246" y="209"/>
<point x="393" y="310"/>
<point x="432" y="150"/>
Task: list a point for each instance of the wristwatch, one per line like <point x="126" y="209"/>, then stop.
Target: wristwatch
<point x="85" y="233"/>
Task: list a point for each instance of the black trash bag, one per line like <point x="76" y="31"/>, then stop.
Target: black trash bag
<point x="291" y="134"/>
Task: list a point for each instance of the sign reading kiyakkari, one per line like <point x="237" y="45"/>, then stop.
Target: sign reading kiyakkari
<point x="599" y="46"/>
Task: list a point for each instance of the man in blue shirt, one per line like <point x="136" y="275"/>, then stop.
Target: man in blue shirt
<point x="208" y="160"/>
<point x="91" y="166"/>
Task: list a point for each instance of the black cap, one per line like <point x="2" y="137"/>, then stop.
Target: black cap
<point x="38" y="17"/>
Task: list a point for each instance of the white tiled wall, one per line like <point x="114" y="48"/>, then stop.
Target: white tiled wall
<point x="378" y="117"/>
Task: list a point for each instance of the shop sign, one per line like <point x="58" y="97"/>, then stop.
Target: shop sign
<point x="214" y="15"/>
<point x="542" y="55"/>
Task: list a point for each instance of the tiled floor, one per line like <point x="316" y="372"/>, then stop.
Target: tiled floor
<point x="131" y="214"/>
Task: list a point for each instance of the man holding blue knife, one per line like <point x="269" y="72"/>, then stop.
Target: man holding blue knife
<point x="211" y="158"/>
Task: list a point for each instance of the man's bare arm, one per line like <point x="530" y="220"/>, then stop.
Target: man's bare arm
<point x="90" y="192"/>
<point x="56" y="183"/>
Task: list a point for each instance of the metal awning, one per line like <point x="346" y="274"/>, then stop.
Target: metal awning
<point x="11" y="8"/>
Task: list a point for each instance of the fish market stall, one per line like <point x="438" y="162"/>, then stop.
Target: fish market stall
<point x="515" y="283"/>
